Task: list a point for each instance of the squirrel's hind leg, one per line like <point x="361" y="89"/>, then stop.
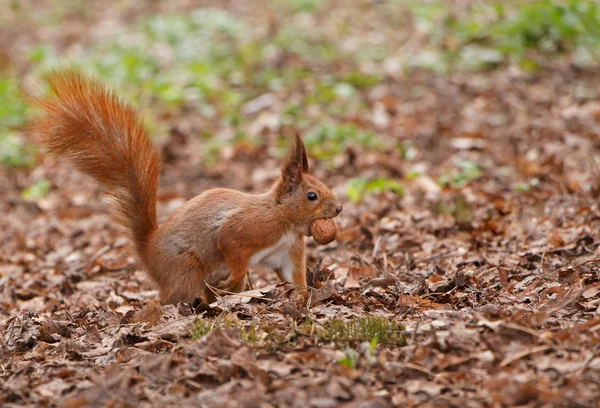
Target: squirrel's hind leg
<point x="182" y="280"/>
<point x="220" y="284"/>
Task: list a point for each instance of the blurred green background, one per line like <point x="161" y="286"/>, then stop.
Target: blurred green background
<point x="308" y="63"/>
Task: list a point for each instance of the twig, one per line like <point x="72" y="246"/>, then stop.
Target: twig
<point x="413" y="336"/>
<point x="524" y="354"/>
<point x="585" y="365"/>
<point x="522" y="329"/>
<point x="534" y="334"/>
<point x="385" y="263"/>
<point x="431" y="294"/>
<point x="213" y="289"/>
<point x="376" y="247"/>
<point x="102" y="251"/>
<point x="424" y="370"/>
<point x="436" y="256"/>
<point x="249" y="280"/>
<point x="360" y="258"/>
<point x="578" y="265"/>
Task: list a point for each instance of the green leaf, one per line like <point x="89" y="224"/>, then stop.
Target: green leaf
<point x="36" y="191"/>
<point x="358" y="187"/>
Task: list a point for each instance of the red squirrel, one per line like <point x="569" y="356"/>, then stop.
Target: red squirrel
<point x="213" y="238"/>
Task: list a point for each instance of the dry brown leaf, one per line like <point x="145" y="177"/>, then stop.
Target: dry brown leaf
<point x="150" y="313"/>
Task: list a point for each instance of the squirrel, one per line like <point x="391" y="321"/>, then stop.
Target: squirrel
<point x="211" y="240"/>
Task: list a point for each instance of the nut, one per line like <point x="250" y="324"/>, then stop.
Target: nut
<point x="323" y="230"/>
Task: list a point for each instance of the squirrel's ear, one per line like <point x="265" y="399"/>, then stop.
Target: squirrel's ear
<point x="300" y="146"/>
<point x="294" y="165"/>
<point x="297" y="151"/>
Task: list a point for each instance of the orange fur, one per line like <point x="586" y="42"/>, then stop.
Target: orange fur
<point x="213" y="238"/>
<point x="103" y="137"/>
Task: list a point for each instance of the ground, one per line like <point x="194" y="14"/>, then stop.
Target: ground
<point x="466" y="270"/>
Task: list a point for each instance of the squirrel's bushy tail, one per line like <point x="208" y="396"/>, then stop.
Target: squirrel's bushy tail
<point x="88" y="124"/>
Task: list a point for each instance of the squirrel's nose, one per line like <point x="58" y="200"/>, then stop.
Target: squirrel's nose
<point x="339" y="208"/>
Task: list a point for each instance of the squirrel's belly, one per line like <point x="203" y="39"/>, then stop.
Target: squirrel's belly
<point x="278" y="255"/>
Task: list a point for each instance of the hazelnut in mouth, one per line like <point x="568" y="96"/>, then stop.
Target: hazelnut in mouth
<point x="323" y="230"/>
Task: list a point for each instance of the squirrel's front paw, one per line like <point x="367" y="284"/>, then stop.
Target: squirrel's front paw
<point x="300" y="297"/>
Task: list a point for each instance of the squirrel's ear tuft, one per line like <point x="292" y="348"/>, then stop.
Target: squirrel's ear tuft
<point x="297" y="151"/>
<point x="294" y="165"/>
<point x="300" y="147"/>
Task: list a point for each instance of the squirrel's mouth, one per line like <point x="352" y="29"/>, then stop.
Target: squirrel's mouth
<point x="331" y="215"/>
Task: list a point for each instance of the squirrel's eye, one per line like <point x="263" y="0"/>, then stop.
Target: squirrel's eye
<point x="311" y="196"/>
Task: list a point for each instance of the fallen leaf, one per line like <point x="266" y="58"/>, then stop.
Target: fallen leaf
<point x="150" y="313"/>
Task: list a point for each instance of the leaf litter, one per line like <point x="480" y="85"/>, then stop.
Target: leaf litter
<point x="483" y="273"/>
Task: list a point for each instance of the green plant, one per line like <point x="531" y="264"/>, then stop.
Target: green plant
<point x="358" y="187"/>
<point x="327" y="140"/>
<point x="485" y="34"/>
<point x="204" y="326"/>
<point x="547" y="25"/>
<point x="351" y="332"/>
<point x="350" y="359"/>
<point x="465" y="172"/>
<point x="37" y="190"/>
<point x="13" y="111"/>
<point x="522" y="187"/>
<point x="361" y="81"/>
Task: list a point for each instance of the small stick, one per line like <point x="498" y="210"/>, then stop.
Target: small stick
<point x="226" y="292"/>
<point x="249" y="280"/>
<point x="579" y="265"/>
<point x="432" y="257"/>
<point x="524" y="354"/>
<point x="376" y="247"/>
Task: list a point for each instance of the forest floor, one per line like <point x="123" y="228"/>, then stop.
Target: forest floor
<point x="466" y="271"/>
